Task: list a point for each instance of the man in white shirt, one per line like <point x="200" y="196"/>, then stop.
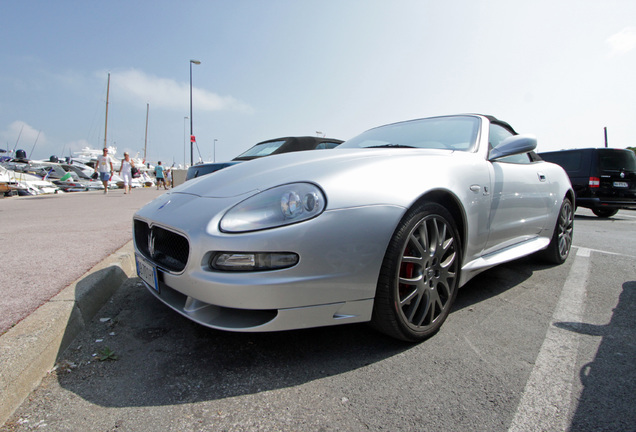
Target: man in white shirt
<point x="105" y="168"/>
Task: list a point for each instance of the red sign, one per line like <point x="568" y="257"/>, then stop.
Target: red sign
<point x="192" y="138"/>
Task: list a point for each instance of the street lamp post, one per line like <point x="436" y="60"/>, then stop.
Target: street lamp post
<point x="184" y="140"/>
<point x="214" y="150"/>
<point x="197" y="62"/>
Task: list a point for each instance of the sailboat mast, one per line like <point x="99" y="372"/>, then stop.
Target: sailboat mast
<point x="36" y="141"/>
<point x="18" y="140"/>
<point x="146" y="136"/>
<point x="106" y="125"/>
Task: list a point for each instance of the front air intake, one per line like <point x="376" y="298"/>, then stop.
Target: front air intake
<point x="167" y="249"/>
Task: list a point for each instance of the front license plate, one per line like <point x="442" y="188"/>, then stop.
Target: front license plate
<point x="147" y="272"/>
<point x="620" y="184"/>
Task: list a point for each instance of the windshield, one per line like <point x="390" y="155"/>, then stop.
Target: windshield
<point x="451" y="133"/>
<point x="262" y="149"/>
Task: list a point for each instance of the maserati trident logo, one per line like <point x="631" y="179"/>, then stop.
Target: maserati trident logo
<point x="151" y="243"/>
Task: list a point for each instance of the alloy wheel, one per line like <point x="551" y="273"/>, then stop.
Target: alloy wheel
<point x="566" y="227"/>
<point x="428" y="271"/>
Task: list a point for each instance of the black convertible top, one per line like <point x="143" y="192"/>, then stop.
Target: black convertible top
<point x="502" y="123"/>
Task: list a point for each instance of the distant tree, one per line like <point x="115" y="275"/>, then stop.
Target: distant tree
<point x="632" y="149"/>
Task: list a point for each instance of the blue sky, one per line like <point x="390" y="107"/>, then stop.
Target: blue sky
<point x="562" y="70"/>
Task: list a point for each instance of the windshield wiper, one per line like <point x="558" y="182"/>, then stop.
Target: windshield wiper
<point x="392" y="145"/>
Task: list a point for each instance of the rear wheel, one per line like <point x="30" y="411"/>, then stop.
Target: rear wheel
<point x="419" y="276"/>
<point x="559" y="248"/>
<point x="604" y="213"/>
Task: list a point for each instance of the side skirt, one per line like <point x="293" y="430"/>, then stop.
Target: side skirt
<point x="511" y="253"/>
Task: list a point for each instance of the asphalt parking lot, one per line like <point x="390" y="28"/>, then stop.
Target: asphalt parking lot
<point x="527" y="347"/>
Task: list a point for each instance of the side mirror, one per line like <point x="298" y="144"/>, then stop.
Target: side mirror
<point x="513" y="145"/>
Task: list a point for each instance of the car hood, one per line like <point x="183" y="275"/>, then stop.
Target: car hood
<point x="317" y="167"/>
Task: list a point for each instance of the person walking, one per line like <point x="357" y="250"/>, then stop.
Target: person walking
<point x="125" y="171"/>
<point x="169" y="178"/>
<point x="105" y="168"/>
<point x="159" y="176"/>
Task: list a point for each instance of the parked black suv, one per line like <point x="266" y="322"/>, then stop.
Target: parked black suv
<point x="603" y="179"/>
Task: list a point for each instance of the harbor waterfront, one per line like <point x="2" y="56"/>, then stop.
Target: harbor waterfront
<point x="49" y="241"/>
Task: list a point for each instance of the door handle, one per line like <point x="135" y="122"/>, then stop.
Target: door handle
<point x="541" y="177"/>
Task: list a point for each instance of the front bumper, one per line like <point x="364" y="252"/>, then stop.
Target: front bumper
<point x="263" y="320"/>
<point x="333" y="283"/>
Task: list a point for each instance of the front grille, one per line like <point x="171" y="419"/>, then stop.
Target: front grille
<point x="165" y="248"/>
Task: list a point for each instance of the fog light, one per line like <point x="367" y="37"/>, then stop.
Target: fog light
<point x="252" y="261"/>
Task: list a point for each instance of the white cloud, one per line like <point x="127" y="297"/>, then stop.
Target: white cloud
<point x="138" y="87"/>
<point x="622" y="42"/>
<point x="23" y="134"/>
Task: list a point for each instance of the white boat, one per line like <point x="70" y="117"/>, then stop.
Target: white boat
<point x="25" y="184"/>
<point x="88" y="156"/>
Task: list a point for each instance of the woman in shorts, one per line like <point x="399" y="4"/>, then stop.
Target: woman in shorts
<point x="125" y="171"/>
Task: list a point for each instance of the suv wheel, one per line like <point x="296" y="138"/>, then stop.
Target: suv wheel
<point x="604" y="213"/>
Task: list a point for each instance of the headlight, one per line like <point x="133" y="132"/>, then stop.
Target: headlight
<point x="282" y="205"/>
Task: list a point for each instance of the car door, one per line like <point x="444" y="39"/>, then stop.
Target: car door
<point x="520" y="196"/>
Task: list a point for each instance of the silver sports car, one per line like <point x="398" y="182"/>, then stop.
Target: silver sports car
<point x="383" y="229"/>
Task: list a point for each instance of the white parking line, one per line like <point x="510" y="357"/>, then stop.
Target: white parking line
<point x="545" y="403"/>
<point x="600" y="251"/>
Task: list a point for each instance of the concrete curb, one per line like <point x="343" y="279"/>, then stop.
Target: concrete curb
<point x="29" y="350"/>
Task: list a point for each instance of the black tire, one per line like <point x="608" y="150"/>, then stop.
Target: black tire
<point x="419" y="276"/>
<point x="604" y="213"/>
<point x="559" y="248"/>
